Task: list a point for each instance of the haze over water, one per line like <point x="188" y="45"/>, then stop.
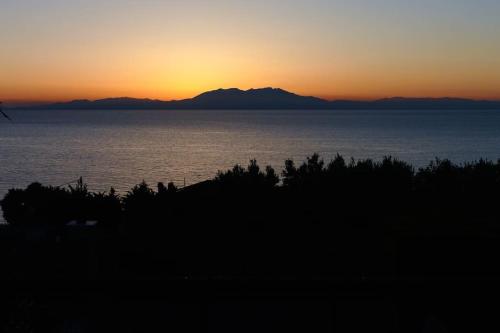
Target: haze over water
<point x="122" y="148"/>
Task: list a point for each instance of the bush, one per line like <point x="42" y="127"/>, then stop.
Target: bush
<point x="357" y="186"/>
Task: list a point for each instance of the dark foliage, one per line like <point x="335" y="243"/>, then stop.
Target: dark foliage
<point x="55" y="206"/>
<point x="354" y="218"/>
<point x="249" y="179"/>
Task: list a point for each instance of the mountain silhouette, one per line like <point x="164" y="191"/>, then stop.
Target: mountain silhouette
<point x="106" y="103"/>
<point x="404" y="103"/>
<point x="268" y="98"/>
<point x="255" y="99"/>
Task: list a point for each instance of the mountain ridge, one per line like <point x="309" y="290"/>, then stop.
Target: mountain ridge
<point x="267" y="98"/>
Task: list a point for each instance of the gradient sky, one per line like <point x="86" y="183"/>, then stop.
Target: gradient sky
<point x="66" y="49"/>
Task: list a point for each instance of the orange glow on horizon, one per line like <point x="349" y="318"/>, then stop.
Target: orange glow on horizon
<point x="43" y="96"/>
<point x="59" y="51"/>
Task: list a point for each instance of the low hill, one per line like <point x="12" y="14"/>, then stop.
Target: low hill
<point x="268" y="98"/>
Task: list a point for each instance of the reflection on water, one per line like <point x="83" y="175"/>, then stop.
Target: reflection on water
<point x="121" y="148"/>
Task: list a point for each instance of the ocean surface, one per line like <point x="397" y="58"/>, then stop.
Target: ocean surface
<point x="122" y="148"/>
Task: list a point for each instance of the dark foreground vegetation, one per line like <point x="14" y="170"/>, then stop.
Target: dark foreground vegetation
<point x="353" y="219"/>
<point x="338" y="225"/>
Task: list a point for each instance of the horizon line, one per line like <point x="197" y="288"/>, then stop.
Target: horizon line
<point x="33" y="102"/>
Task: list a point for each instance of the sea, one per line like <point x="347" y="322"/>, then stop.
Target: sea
<point x="121" y="148"/>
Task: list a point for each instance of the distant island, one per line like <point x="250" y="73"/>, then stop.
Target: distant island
<point x="268" y="98"/>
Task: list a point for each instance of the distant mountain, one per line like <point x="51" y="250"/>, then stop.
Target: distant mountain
<point x="402" y="103"/>
<point x="107" y="103"/>
<point x="268" y="98"/>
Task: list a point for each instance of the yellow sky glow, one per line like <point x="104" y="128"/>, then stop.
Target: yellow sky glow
<point x="173" y="50"/>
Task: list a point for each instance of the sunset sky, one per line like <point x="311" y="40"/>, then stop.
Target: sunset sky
<point x="66" y="49"/>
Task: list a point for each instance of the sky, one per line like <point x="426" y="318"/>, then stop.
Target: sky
<point x="362" y="49"/>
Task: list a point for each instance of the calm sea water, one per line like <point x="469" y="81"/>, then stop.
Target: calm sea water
<point x="121" y="148"/>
